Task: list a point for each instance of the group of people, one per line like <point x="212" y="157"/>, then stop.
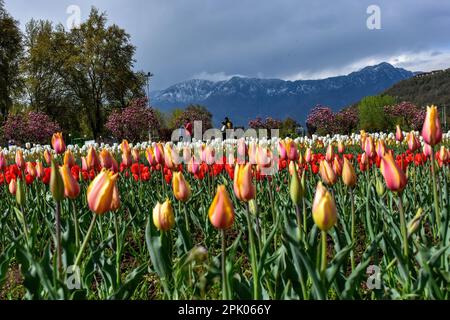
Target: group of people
<point x="226" y="124"/>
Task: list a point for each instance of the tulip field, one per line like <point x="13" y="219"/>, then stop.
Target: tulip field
<point x="364" y="216"/>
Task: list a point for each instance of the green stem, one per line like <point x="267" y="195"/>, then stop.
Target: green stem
<point x="435" y="195"/>
<point x="75" y="222"/>
<point x="225" y="289"/>
<point x="118" y="250"/>
<point x="323" y="267"/>
<point x="352" y="254"/>
<point x="403" y="226"/>
<point x="299" y="221"/>
<point x="253" y="256"/>
<point x="58" y="236"/>
<point x="85" y="241"/>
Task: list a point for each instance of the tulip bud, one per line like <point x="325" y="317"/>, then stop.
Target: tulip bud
<point x="40" y="172"/>
<point x="3" y="161"/>
<point x="47" y="157"/>
<point x="221" y="211"/>
<point x="163" y="216"/>
<point x="12" y="187"/>
<point x="20" y="193"/>
<point x="431" y="131"/>
<point x="69" y="159"/>
<point x="71" y="186"/>
<point x="341" y="147"/>
<point x="398" y="134"/>
<point x="58" y="143"/>
<point x="329" y="156"/>
<point x="56" y="183"/>
<point x="20" y="161"/>
<point x="379" y="187"/>
<point x="308" y="155"/>
<point x="324" y="208"/>
<point x="327" y="173"/>
<point x="243" y="182"/>
<point x="136" y="155"/>
<point x="414" y="224"/>
<point x="106" y="159"/>
<point x="348" y="174"/>
<point x="181" y="188"/>
<point x="337" y="166"/>
<point x="295" y="189"/>
<point x="253" y="207"/>
<point x="115" y="202"/>
<point x="413" y="143"/>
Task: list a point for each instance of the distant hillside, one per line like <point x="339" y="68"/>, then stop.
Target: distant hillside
<point x="424" y="89"/>
<point x="243" y="99"/>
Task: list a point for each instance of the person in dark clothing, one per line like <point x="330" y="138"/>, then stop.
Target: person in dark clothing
<point x="226" y="124"/>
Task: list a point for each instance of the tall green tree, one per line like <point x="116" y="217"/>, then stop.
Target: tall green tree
<point x="97" y="67"/>
<point x="44" y="85"/>
<point x="371" y="112"/>
<point x="10" y="55"/>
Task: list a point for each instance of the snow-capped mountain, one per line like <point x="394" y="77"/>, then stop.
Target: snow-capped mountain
<point x="243" y="99"/>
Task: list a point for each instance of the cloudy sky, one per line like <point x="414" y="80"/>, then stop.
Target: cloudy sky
<point x="289" y="39"/>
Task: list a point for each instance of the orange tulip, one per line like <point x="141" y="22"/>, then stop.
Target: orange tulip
<point x="324" y="208"/>
<point x="58" y="143"/>
<point x="163" y="216"/>
<point x="71" y="186"/>
<point x="393" y="175"/>
<point x="308" y="155"/>
<point x="91" y="159"/>
<point x="369" y="147"/>
<point x="243" y="184"/>
<point x="413" y="143"/>
<point x="431" y="131"/>
<point x="115" y="202"/>
<point x="398" y="134"/>
<point x="136" y="155"/>
<point x="221" y="211"/>
<point x="291" y="150"/>
<point x="348" y="174"/>
<point x="150" y="156"/>
<point x="159" y="154"/>
<point x="3" y="161"/>
<point x="125" y="147"/>
<point x="381" y="148"/>
<point x="327" y="173"/>
<point x="69" y="159"/>
<point x="181" y="188"/>
<point x="330" y="153"/>
<point x="106" y="159"/>
<point x="20" y="161"/>
<point x="31" y="170"/>
<point x="427" y="150"/>
<point x="47" y="157"/>
<point x="40" y="172"/>
<point x="12" y="187"/>
<point x="100" y="192"/>
<point x="341" y="147"/>
<point x="127" y="158"/>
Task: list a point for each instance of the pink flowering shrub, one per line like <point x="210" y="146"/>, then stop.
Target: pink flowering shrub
<point x="268" y="123"/>
<point x="408" y="114"/>
<point x="321" y="120"/>
<point x="33" y="127"/>
<point x="133" y="122"/>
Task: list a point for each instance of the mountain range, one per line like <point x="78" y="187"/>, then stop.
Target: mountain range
<point x="243" y="99"/>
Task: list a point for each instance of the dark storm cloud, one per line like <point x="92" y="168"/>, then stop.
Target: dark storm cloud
<point x="180" y="39"/>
